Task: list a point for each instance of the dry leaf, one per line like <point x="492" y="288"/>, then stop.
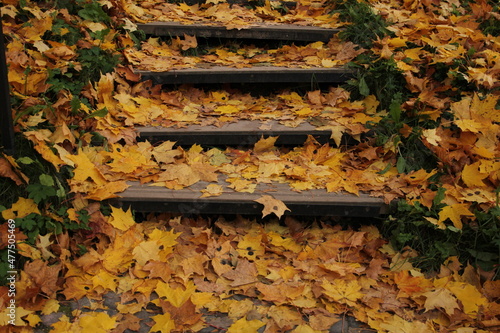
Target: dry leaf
<point x="272" y="206"/>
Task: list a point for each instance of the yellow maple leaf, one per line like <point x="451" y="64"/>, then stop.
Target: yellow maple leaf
<point x="342" y="291"/>
<point x="454" y="213"/>
<point x="50" y="306"/>
<point x="146" y="251"/>
<point x="21" y="208"/>
<point x="163" y="323"/>
<point x="227" y="109"/>
<point x="85" y="169"/>
<point x="107" y="191"/>
<point x="400" y="325"/>
<point x="32" y="319"/>
<point x="121" y="219"/>
<point x="105" y="280"/>
<point x="287" y="243"/>
<point x="176" y="296"/>
<point x="470" y="297"/>
<point x="264" y="144"/>
<point x="472" y="175"/>
<point x="272" y="205"/>
<point x="97" y="322"/>
<point x="164" y="238"/>
<point x="245" y="326"/>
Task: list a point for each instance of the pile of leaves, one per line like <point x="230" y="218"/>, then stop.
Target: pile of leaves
<point x="181" y="274"/>
<point x="231" y="15"/>
<point x="159" y="56"/>
<point x="427" y="86"/>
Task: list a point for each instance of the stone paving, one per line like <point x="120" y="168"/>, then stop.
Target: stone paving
<point x="216" y="322"/>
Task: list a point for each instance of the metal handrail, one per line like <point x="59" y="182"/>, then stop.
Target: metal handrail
<point x="6" y="122"/>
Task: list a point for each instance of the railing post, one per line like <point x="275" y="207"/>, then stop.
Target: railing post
<point x="6" y="122"/>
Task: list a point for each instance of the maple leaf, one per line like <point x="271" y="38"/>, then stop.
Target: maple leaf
<point x="468" y="295"/>
<point x="176" y="296"/>
<point x="146" y="251"/>
<point x="440" y="298"/>
<point x="272" y="206"/>
<point x="163" y="323"/>
<point x="245" y="326"/>
<point x="21" y="208"/>
<point x="397" y="324"/>
<point x="50" y="306"/>
<point x="212" y="190"/>
<point x="472" y="175"/>
<point x="264" y="145"/>
<point x="121" y="219"/>
<point x="342" y="291"/>
<point x="105" y="280"/>
<point x="85" y="169"/>
<point x="244" y="273"/>
<point x="454" y="213"/>
<point x="96" y="322"/>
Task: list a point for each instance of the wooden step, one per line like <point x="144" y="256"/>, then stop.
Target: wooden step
<point x="282" y="32"/>
<point x="256" y="74"/>
<point x="286" y="4"/>
<point x="146" y="198"/>
<point x="240" y="133"/>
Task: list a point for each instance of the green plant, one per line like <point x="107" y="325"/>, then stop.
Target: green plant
<point x="364" y="26"/>
<point x="380" y="78"/>
<point x="47" y="187"/>
<point x="477" y="243"/>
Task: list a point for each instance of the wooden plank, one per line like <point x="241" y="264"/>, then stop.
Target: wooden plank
<point x="256" y="74"/>
<point x="146" y="198"/>
<point x="287" y="4"/>
<point x="283" y="32"/>
<point x="241" y="133"/>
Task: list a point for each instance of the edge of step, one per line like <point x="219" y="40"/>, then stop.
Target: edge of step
<point x="255" y="74"/>
<point x="277" y="31"/>
<point x="242" y="132"/>
<point x="146" y="198"/>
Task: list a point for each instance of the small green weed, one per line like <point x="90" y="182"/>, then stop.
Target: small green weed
<point x="364" y="26"/>
<point x="478" y="243"/>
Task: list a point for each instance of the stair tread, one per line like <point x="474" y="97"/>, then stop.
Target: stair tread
<point x="255" y="74"/>
<point x="143" y="197"/>
<point x="276" y="31"/>
<point x="242" y="132"/>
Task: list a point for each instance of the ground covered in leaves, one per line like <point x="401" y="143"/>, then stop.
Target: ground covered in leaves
<point x="290" y="277"/>
<point x="427" y="87"/>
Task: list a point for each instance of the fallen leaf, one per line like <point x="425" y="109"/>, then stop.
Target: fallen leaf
<point x="121" y="219"/>
<point x="272" y="206"/>
<point x="440" y="298"/>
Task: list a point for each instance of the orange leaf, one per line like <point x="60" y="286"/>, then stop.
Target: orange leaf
<point x="272" y="205"/>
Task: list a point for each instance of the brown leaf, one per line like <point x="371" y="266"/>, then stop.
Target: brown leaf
<point x="6" y="171"/>
<point x="244" y="273"/>
<point x="44" y="276"/>
<point x="185" y="315"/>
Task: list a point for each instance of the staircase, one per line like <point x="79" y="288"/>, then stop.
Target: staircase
<point x="244" y="133"/>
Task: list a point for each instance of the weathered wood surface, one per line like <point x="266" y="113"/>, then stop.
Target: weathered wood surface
<point x="287" y="4"/>
<point x="256" y="74"/>
<point x="282" y="32"/>
<point x="240" y="133"/>
<point x="143" y="197"/>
